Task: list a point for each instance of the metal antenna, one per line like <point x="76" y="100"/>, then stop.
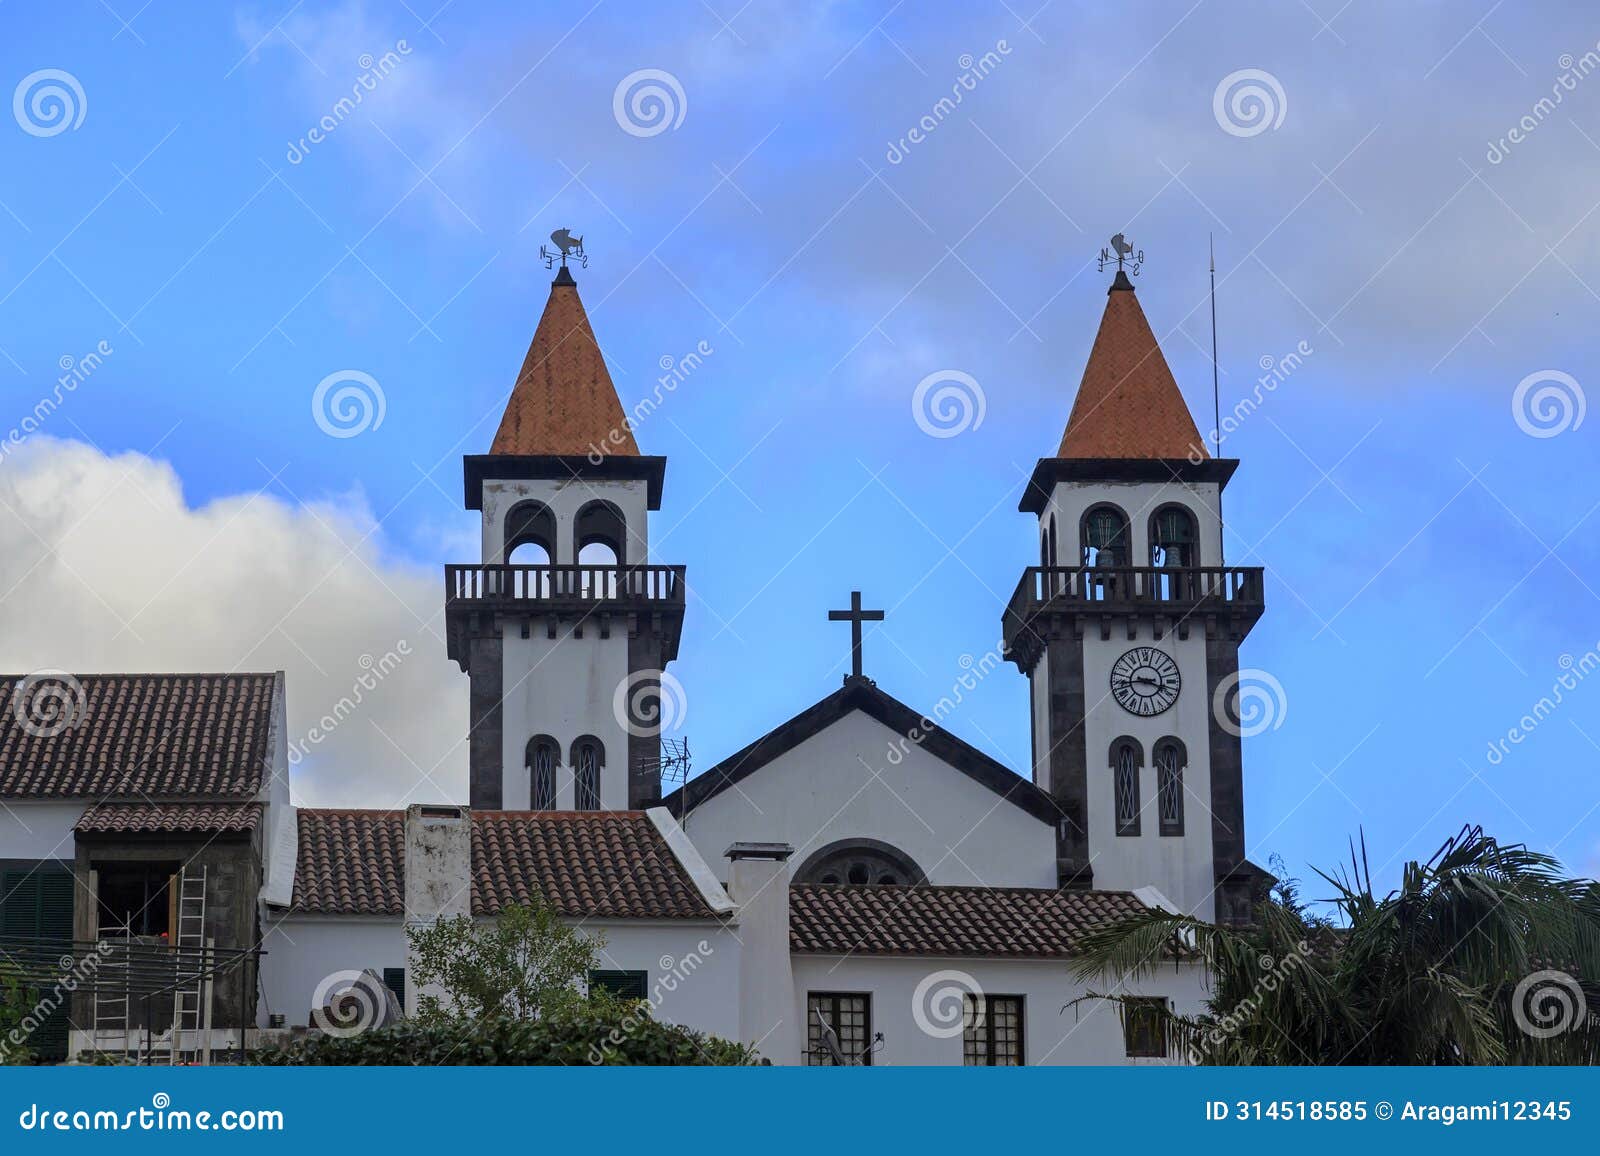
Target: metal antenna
<point x="1216" y="394"/>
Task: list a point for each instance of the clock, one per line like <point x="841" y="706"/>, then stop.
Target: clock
<point x="1145" y="681"/>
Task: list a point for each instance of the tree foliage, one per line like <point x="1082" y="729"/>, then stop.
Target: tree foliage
<point x="1476" y="946"/>
<point x="524" y="965"/>
<point x="16" y="1001"/>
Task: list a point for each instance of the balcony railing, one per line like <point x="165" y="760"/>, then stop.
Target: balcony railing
<point x="1125" y="587"/>
<point x="569" y="583"/>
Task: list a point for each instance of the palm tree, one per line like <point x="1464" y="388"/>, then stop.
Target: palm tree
<point x="1485" y="954"/>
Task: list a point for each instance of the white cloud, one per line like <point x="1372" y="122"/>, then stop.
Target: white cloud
<point x="104" y="567"/>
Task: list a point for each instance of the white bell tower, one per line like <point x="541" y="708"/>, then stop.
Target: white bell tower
<point x="565" y="649"/>
<point x="1128" y="628"/>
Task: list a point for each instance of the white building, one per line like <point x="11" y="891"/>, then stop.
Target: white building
<point x="858" y="871"/>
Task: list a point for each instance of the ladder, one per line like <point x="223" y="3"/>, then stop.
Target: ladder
<point x="112" y="994"/>
<point x="190" y="945"/>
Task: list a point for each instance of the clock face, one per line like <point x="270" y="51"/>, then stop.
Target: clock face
<point x="1145" y="681"/>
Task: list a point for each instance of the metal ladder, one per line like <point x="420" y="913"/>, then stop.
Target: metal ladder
<point x="111" y="1003"/>
<point x="190" y="946"/>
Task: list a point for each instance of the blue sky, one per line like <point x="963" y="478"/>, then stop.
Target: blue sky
<point x="1430" y="562"/>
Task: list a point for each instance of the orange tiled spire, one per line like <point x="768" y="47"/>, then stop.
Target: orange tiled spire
<point x="1128" y="405"/>
<point x="564" y="402"/>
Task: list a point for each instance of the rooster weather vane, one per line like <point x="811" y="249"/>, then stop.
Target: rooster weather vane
<point x="1119" y="251"/>
<point x="566" y="246"/>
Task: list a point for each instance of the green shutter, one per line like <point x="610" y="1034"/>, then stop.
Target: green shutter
<point x="394" y="978"/>
<point x="36" y="904"/>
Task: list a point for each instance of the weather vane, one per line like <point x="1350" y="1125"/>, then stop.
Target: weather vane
<point x="566" y="246"/>
<point x="1120" y="251"/>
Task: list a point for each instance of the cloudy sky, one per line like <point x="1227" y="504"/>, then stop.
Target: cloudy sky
<point x="1406" y="193"/>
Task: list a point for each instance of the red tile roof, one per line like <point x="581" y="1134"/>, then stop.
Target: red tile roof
<point x="125" y="818"/>
<point x="563" y="401"/>
<point x="153" y="735"/>
<point x="591" y="864"/>
<point x="1128" y="405"/>
<point x="1021" y="922"/>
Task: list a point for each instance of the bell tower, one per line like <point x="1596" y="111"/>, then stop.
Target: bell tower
<point x="1129" y="629"/>
<point x="564" y="627"/>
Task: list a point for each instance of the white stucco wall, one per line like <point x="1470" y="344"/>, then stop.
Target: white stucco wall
<point x="840" y="784"/>
<point x="1091" y="1033"/>
<point x="1138" y="500"/>
<point x="693" y="966"/>
<point x="30" y="830"/>
<point x="1179" y="865"/>
<point x="565" y="498"/>
<point x="564" y="687"/>
<point x="303" y="951"/>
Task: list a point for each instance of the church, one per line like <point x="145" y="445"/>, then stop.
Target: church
<point x="788" y="897"/>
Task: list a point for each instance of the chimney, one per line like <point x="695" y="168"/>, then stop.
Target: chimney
<point x="438" y="862"/>
<point x="759" y="884"/>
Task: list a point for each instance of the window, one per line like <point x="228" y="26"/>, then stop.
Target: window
<point x="543" y="756"/>
<point x="1144" y="1026"/>
<point x="1173" y="539"/>
<point x="588" y="756"/>
<point x="860" y="861"/>
<point x="992" y="1032"/>
<point x="134" y="898"/>
<point x="530" y="524"/>
<point x="622" y="984"/>
<point x="1170" y="760"/>
<point x="1126" y="759"/>
<point x="1105" y="537"/>
<point x="838" y="1020"/>
<point x="394" y="978"/>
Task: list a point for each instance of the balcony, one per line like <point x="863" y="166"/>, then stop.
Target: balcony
<point x="648" y="598"/>
<point x="561" y="587"/>
<point x="1181" y="594"/>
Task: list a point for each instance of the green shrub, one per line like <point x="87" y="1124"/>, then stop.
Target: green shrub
<point x="599" y="1030"/>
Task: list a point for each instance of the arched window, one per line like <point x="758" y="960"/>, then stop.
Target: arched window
<point x="599" y="538"/>
<point x="1170" y="759"/>
<point x="1173" y="538"/>
<point x="1104" y="535"/>
<point x="543" y="758"/>
<point x="1127" y="757"/>
<point x="530" y="534"/>
<point x="860" y="862"/>
<point x="1054" y="557"/>
<point x="588" y="756"/>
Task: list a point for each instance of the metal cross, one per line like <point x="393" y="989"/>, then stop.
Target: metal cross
<point x="855" y="616"/>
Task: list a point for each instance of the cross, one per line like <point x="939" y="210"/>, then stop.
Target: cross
<point x="855" y="616"/>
